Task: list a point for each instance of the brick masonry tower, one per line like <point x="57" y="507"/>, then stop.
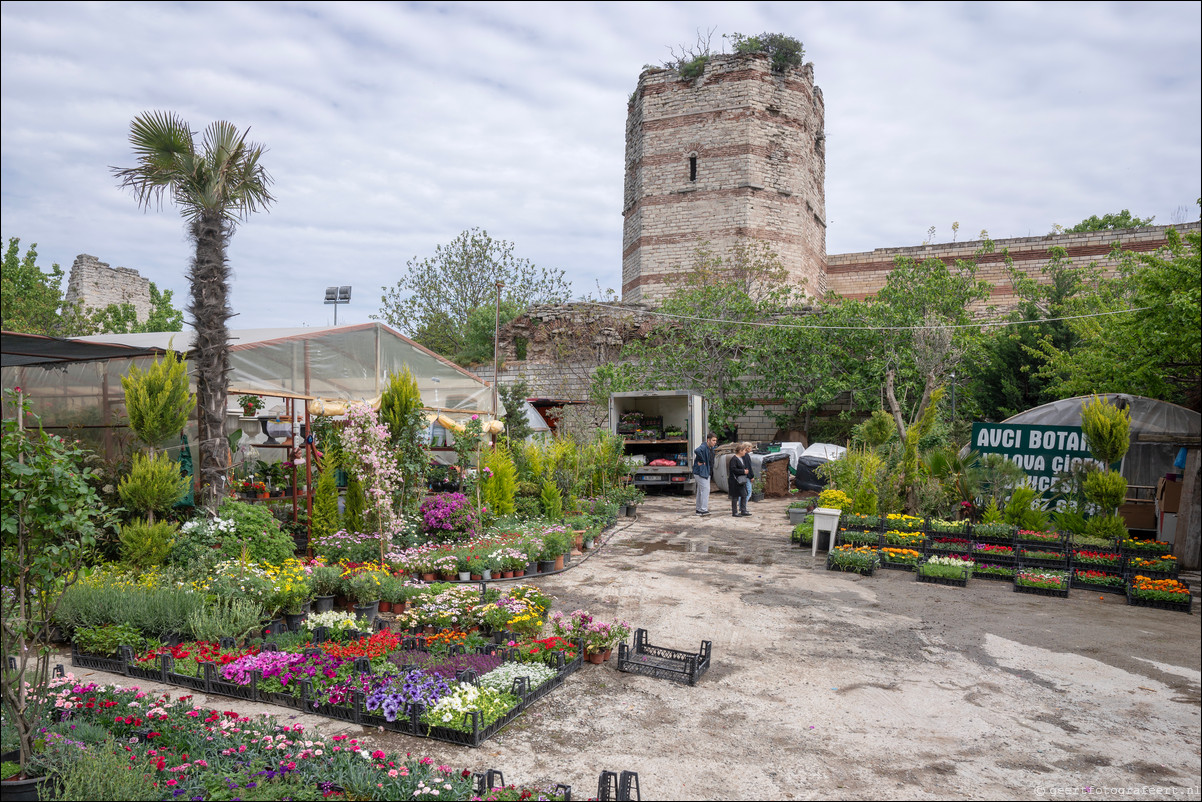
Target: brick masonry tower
<point x="736" y="153"/>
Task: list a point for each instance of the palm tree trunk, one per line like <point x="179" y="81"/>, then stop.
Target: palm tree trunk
<point x="209" y="308"/>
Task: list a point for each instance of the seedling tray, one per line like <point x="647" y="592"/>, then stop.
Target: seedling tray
<point x="993" y="577"/>
<point x="663" y="663"/>
<point x="956" y="582"/>
<point x="112" y="665"/>
<point x="1057" y="593"/>
<point x="1183" y="607"/>
<point x="852" y="569"/>
<point x="1095" y="588"/>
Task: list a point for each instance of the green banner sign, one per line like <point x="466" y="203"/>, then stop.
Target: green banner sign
<point x="1043" y="452"/>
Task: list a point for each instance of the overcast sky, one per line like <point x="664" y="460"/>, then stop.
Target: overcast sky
<point x="392" y="127"/>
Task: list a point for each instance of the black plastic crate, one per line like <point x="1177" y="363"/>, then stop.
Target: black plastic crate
<point x="1094" y="587"/>
<point x="859" y="537"/>
<point x="956" y="582"/>
<point x="993" y="577"/>
<point x="1118" y="567"/>
<point x="869" y="571"/>
<point x="281" y="699"/>
<point x="233" y="690"/>
<point x="663" y="663"/>
<point x="1173" y="574"/>
<point x="1058" y="543"/>
<point x="1183" y="607"/>
<point x="187" y="681"/>
<point x="1060" y="564"/>
<point x="1057" y="593"/>
<point x="892" y="566"/>
<point x="112" y="665"/>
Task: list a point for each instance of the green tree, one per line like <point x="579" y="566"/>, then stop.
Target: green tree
<point x="513" y="399"/>
<point x="214" y="186"/>
<point x="481" y="331"/>
<point x="30" y="298"/>
<point x="401" y="411"/>
<point x="325" y="501"/>
<point x="710" y="339"/>
<point x="1108" y="222"/>
<point x="1142" y="337"/>
<point x="784" y="51"/>
<point x="157" y="400"/>
<point x="123" y="318"/>
<point x="433" y="301"/>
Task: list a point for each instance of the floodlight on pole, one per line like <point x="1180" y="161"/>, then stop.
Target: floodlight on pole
<point x="336" y="296"/>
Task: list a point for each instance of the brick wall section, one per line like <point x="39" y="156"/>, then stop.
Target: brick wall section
<point x="759" y="142"/>
<point x="858" y="275"/>
<point x="97" y="285"/>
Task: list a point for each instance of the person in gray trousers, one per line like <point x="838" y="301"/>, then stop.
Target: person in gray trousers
<point x="703" y="469"/>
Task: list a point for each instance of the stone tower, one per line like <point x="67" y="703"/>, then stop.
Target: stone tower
<point x="737" y="153"/>
<point x="96" y="285"/>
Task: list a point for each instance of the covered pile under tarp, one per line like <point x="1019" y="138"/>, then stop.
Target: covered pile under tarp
<point x="1145" y="461"/>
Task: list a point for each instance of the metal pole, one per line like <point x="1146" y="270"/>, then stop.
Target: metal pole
<point x="953" y="396"/>
<point x="496" y="337"/>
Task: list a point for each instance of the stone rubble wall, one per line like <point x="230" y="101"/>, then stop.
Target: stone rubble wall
<point x="97" y="285"/>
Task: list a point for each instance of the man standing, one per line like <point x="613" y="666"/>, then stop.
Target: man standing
<point x="703" y="469"/>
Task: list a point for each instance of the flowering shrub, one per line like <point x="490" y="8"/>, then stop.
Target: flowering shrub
<point x="834" y="499"/>
<point x="370" y="459"/>
<point x="344" y="546"/>
<point x="449" y="517"/>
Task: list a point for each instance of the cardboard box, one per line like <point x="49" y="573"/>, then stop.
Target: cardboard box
<point x="1168" y="496"/>
<point x="1139" y="514"/>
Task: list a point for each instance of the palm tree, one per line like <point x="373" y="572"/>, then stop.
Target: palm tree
<point x="214" y="188"/>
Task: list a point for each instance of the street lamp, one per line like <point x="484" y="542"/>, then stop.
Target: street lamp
<point x="336" y="296"/>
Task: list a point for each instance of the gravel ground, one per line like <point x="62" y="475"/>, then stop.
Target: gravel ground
<point x="831" y="685"/>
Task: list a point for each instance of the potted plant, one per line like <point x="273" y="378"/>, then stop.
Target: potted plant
<point x="757" y="488"/>
<point x="601" y="636"/>
<point x="325" y="580"/>
<point x="251" y="404"/>
<point x="798" y="511"/>
<point x="364" y="589"/>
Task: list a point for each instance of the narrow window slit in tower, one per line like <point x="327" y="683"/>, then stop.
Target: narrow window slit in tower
<point x="692" y="168"/>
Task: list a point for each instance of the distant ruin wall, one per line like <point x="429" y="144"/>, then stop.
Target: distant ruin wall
<point x="97" y="285"/>
<point x="859" y="275"/>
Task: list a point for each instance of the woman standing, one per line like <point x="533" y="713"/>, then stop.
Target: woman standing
<point x="739" y="473"/>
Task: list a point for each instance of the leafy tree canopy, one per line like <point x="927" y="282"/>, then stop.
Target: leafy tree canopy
<point x="32" y="301"/>
<point x="434" y="300"/>
<point x="1106" y="222"/>
<point x="785" y="51"/>
<point x="1155" y="349"/>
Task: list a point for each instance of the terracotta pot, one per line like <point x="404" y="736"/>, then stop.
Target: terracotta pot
<point x="596" y="658"/>
<point x="519" y="573"/>
<point x="429" y="577"/>
<point x="559" y="563"/>
<point x="262" y="495"/>
<point x="385" y="607"/>
<point x="450" y="576"/>
<point x="507" y="574"/>
<point x="477" y="577"/>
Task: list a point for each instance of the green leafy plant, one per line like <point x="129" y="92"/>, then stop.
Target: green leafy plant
<point x="1025" y="511"/>
<point x="258" y="531"/>
<point x="250" y="403"/>
<point x="355" y="507"/>
<point x="224" y="617"/>
<point x="325" y="502"/>
<point x="1107" y="489"/>
<point x="498" y="487"/>
<point x="145" y="544"/>
<point x="157" y="400"/>
<point x="552" y="501"/>
<point x="1107" y="428"/>
<point x="1108" y="527"/>
<point x="401" y="411"/>
<point x="50" y="519"/>
<point x="326" y="579"/>
<point x="103" y="641"/>
<point x="153" y="485"/>
<point x="105" y="771"/>
<point x="784" y="51"/>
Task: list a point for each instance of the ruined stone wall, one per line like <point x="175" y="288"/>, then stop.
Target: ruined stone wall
<point x="97" y="285"/>
<point x="737" y="153"/>
<point x="858" y="275"/>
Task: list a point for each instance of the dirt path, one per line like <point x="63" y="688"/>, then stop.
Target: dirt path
<point x="829" y="685"/>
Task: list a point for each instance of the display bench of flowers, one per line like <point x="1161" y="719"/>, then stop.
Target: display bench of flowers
<point x="1162" y="594"/>
<point x="408" y="685"/>
<point x="997" y="571"/>
<point x="900" y="559"/>
<point x="109" y="742"/>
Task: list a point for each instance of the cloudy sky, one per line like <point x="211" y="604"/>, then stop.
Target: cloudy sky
<point x="392" y="127"/>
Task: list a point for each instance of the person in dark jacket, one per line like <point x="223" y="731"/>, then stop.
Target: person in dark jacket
<point x="740" y="474"/>
<point x="703" y="469"/>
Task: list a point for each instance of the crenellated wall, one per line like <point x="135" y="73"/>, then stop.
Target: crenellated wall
<point x="97" y="285"/>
